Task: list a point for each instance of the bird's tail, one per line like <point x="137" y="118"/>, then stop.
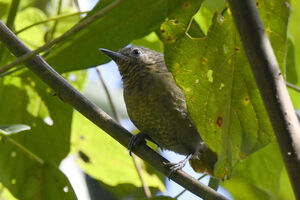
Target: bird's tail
<point x="205" y="162"/>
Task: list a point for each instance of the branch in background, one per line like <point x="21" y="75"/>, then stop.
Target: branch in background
<point x="9" y="23"/>
<point x="55" y="22"/>
<point x="67" y="93"/>
<point x="50" y="19"/>
<point x="112" y="106"/>
<point x="140" y="174"/>
<point x="292" y="86"/>
<point x="183" y="191"/>
<point x="12" y="13"/>
<point x="74" y="29"/>
<point x="271" y="85"/>
<point x="76" y="4"/>
<point x="117" y="118"/>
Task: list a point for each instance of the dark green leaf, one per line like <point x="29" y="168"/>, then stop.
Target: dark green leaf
<point x="132" y="19"/>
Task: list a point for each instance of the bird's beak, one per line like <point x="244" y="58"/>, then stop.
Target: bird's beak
<point x="115" y="56"/>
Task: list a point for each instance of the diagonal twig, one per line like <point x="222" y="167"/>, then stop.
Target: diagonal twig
<point x="56" y="18"/>
<point x="292" y="86"/>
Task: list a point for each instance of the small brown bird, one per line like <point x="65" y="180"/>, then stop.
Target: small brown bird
<point x="156" y="105"/>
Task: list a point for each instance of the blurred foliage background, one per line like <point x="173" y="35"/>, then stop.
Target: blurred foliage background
<point x="30" y="159"/>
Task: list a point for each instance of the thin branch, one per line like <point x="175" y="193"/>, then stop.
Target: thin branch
<point x="9" y="23"/>
<point x="67" y="93"/>
<point x="117" y="117"/>
<point x="55" y="22"/>
<point x="12" y="13"/>
<point x="271" y="85"/>
<point x="50" y="19"/>
<point x="76" y="4"/>
<point x="112" y="106"/>
<point x="24" y="149"/>
<point x="67" y="34"/>
<point x="292" y="86"/>
<point x="183" y="191"/>
<point x="140" y="173"/>
<point x="12" y="71"/>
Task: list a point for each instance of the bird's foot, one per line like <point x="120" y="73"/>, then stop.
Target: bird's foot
<point x="174" y="167"/>
<point x="135" y="140"/>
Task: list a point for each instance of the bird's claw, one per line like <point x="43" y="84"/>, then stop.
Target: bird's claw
<point x="135" y="140"/>
<point x="174" y="167"/>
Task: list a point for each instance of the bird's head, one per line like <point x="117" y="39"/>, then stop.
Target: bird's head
<point x="136" y="59"/>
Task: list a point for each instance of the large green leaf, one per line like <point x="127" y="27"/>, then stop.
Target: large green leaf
<point x="293" y="74"/>
<point x="29" y="161"/>
<point x="260" y="176"/>
<point x="106" y="160"/>
<point x="222" y="96"/>
<point x="132" y="19"/>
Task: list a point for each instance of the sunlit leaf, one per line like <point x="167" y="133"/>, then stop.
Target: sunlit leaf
<point x="222" y="96"/>
<point x="106" y="160"/>
<point x="33" y="37"/>
<point x="29" y="160"/>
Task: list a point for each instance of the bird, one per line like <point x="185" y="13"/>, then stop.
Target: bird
<point x="157" y="106"/>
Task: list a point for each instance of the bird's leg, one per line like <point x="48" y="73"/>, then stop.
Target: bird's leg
<point x="177" y="166"/>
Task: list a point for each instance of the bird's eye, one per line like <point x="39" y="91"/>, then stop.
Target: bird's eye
<point x="136" y="52"/>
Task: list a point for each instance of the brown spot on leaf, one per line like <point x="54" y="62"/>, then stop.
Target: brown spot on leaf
<point x="245" y="101"/>
<point x="204" y="60"/>
<point x="175" y="21"/>
<point x="236" y="49"/>
<point x="219" y="121"/>
<point x="268" y="15"/>
<point x="83" y="156"/>
<point x="185" y="5"/>
<point x="257" y="4"/>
